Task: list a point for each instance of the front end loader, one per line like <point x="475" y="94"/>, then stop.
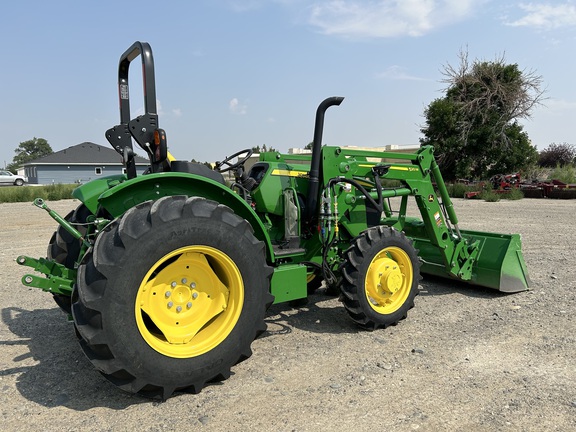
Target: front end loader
<point x="167" y="276"/>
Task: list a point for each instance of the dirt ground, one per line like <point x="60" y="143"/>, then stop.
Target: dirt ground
<point x="466" y="359"/>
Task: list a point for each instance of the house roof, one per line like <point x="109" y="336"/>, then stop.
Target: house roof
<point x="86" y="153"/>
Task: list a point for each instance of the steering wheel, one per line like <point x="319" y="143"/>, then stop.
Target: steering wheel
<point x="226" y="163"/>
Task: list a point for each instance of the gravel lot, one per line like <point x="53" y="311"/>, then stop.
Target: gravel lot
<point x="466" y="359"/>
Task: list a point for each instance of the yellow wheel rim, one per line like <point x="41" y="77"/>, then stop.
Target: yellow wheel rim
<point x="389" y="280"/>
<point x="189" y="301"/>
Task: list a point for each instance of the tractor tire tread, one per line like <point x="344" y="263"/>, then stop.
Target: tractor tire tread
<point x="101" y="265"/>
<point x="352" y="269"/>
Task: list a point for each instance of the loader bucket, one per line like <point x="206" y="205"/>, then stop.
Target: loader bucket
<point x="500" y="264"/>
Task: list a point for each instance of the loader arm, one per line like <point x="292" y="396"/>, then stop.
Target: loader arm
<point x="445" y="250"/>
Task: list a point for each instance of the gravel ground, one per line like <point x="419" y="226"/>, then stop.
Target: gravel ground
<point x="466" y="359"/>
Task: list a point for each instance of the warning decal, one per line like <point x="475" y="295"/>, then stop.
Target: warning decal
<point x="438" y="219"/>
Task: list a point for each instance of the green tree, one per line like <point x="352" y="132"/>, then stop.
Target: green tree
<point x="474" y="128"/>
<point x="557" y="154"/>
<point x="263" y="149"/>
<point x="30" y="150"/>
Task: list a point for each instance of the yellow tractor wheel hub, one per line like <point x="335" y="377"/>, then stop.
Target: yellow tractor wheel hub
<point x="189" y="301"/>
<point x="389" y="280"/>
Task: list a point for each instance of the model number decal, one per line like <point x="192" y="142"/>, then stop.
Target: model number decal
<point x="289" y="173"/>
<point x="124" y="91"/>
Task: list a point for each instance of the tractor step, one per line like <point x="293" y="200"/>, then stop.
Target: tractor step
<point x="290" y="247"/>
<point x="279" y="252"/>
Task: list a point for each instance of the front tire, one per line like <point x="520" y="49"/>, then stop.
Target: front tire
<point x="380" y="278"/>
<point x="172" y="296"/>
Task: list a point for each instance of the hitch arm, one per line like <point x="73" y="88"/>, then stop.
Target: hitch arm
<point x="39" y="202"/>
<point x="59" y="280"/>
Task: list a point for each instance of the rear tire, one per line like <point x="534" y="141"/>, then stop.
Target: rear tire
<point x="172" y="296"/>
<point x="380" y="278"/>
<point x="19" y="182"/>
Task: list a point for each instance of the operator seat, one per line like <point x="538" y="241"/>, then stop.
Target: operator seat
<point x="162" y="160"/>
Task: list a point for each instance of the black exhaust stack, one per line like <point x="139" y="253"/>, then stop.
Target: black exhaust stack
<point x="312" y="203"/>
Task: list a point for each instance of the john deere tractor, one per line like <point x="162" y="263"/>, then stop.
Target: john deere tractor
<point x="167" y="276"/>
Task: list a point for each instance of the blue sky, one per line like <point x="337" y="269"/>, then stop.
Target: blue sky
<point x="232" y="74"/>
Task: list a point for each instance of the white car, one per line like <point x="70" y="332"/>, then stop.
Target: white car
<point x="6" y="177"/>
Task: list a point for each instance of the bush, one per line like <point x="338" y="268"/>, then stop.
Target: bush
<point x="457" y="190"/>
<point x="29" y="193"/>
<point x="514" y="194"/>
<point x="536" y="173"/>
<point x="490" y="196"/>
<point x="566" y="174"/>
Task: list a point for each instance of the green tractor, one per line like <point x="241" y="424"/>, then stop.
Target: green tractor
<point x="167" y="276"/>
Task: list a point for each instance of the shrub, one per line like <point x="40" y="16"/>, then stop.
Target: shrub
<point x="490" y="196"/>
<point x="457" y="190"/>
<point x="514" y="194"/>
<point x="536" y="173"/>
<point x="566" y="174"/>
<point x="29" y="193"/>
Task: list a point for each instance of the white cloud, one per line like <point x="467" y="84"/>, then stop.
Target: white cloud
<point x="398" y="73"/>
<point x="388" y="18"/>
<point x="177" y="112"/>
<point x="546" y="16"/>
<point x="236" y="107"/>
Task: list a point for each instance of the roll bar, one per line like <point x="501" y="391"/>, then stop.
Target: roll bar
<point x="143" y="50"/>
<point x="143" y="127"/>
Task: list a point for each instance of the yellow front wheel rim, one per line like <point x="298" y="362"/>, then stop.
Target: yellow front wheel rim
<point x="189" y="301"/>
<point x="389" y="280"/>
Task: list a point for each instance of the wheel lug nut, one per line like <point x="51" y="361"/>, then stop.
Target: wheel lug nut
<point x="28" y="279"/>
<point x="189" y="305"/>
<point x="184" y="280"/>
<point x="173" y="284"/>
<point x="193" y="285"/>
<point x="168" y="294"/>
<point x="179" y="309"/>
<point x="170" y="304"/>
<point x="195" y="296"/>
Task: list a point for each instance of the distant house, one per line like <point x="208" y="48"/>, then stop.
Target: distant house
<point x="78" y="164"/>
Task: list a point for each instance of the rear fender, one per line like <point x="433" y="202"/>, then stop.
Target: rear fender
<point x="122" y="196"/>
